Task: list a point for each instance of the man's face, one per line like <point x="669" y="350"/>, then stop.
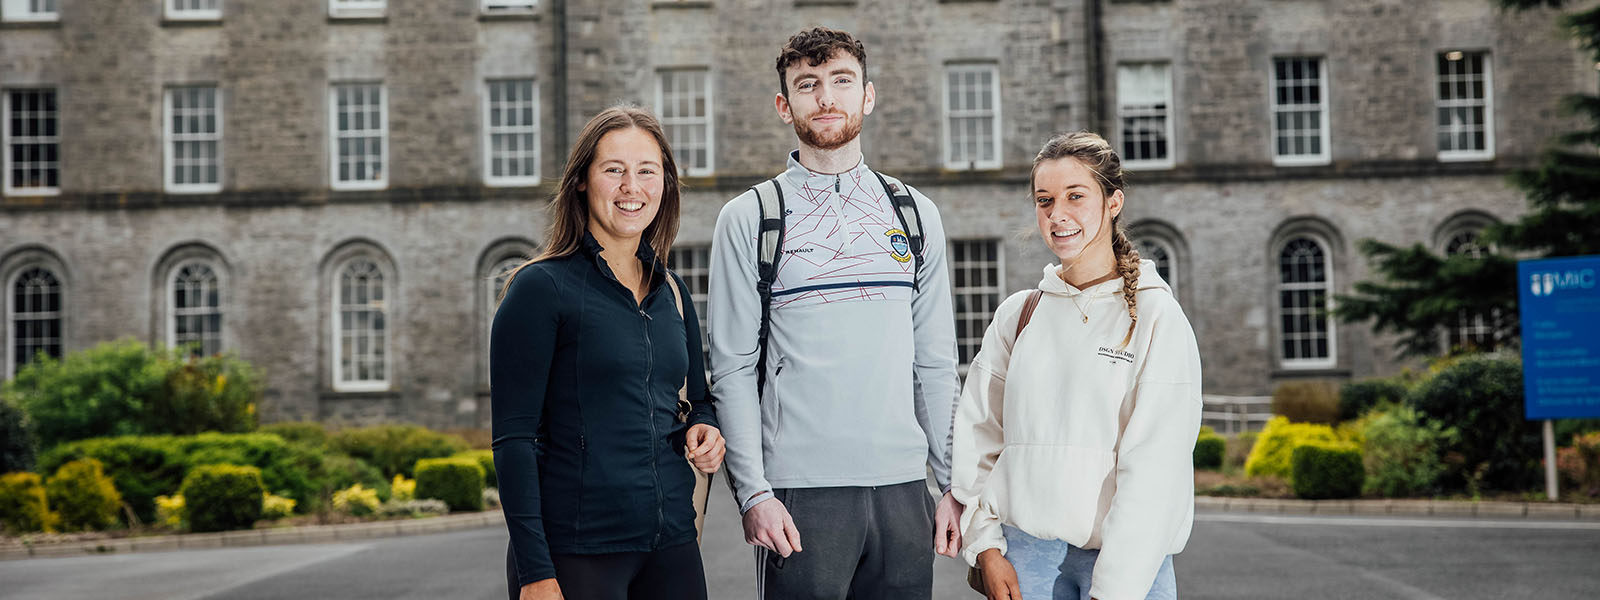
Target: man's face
<point x="826" y="103"/>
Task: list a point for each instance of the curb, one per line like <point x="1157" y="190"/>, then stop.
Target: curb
<point x="311" y="534"/>
<point x="1406" y="508"/>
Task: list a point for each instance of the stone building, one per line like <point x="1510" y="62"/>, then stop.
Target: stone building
<point x="329" y="187"/>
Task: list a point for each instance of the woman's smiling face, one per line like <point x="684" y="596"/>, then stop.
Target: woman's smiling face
<point x="1073" y="210"/>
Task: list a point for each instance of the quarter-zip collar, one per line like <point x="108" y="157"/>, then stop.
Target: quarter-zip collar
<point x="645" y="254"/>
<point x="797" y="176"/>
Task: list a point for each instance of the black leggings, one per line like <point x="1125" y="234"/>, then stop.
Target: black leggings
<point x="667" y="574"/>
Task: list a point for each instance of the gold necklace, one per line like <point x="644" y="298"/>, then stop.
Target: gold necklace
<point x="1074" y="300"/>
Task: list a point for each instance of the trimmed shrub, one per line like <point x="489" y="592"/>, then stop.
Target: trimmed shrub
<point x="414" y="508"/>
<point x="476" y="439"/>
<point x="1230" y="490"/>
<point x="1208" y="449"/>
<point x="456" y="481"/>
<point x="356" y="500"/>
<point x="485" y="459"/>
<point x="1307" y="401"/>
<point x="16" y="442"/>
<point x="1481" y="398"/>
<point x="1275" y="447"/>
<point x="223" y="497"/>
<point x="1401" y="453"/>
<point x="1356" y="398"/>
<point x="83" y="495"/>
<point x="402" y="489"/>
<point x="275" y="507"/>
<point x="395" y="449"/>
<point x="1327" y="471"/>
<point x="1579" y="464"/>
<point x="299" y="432"/>
<point x="23" y="507"/>
<point x="142" y="467"/>
<point x="170" y="511"/>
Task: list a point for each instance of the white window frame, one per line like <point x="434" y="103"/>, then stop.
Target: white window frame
<point x="11" y="311"/>
<point x="1487" y="152"/>
<point x="490" y="130"/>
<point x="1324" y="156"/>
<point x="356" y="9"/>
<point x="979" y="317"/>
<point x="495" y="282"/>
<point x="708" y="120"/>
<point x="334" y="134"/>
<point x="950" y="115"/>
<point x="692" y="262"/>
<point x="335" y="327"/>
<point x="23" y="11"/>
<point x="174" y="13"/>
<point x="1124" y="109"/>
<point x="172" y="302"/>
<point x="1332" y="359"/>
<point x="507" y="6"/>
<point x="5" y="146"/>
<point x="1468" y="326"/>
<point x="170" y="141"/>
<point x="1172" y="258"/>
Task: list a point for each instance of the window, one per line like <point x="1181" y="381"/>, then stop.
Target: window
<point x="32" y="143"/>
<point x="360" y="136"/>
<point x="683" y="99"/>
<point x="360" y="327"/>
<point x="356" y="8"/>
<point x="34" y="304"/>
<point x="196" y="10"/>
<point x="975" y="267"/>
<point x="1466" y="106"/>
<point x="693" y="264"/>
<point x="972" y="117"/>
<point x="1472" y="331"/>
<point x="29" y="10"/>
<point x="194" y="140"/>
<point x="1144" y="98"/>
<point x="511" y="133"/>
<point x="195" y="321"/>
<point x="509" y="5"/>
<point x="1299" y="111"/>
<point x="1303" y="283"/>
<point x="499" y="273"/>
<point x="1159" y="252"/>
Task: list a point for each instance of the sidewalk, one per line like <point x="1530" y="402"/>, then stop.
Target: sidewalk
<point x="311" y="534"/>
<point x="1405" y="508"/>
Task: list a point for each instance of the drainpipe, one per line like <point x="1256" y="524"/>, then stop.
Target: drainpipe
<point x="559" y="76"/>
<point x="1094" y="39"/>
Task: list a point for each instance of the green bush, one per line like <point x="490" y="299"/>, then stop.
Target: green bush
<point x="170" y="512"/>
<point x="23" y="507"/>
<point x="1327" y="471"/>
<point x="309" y="433"/>
<point x="1274" y="448"/>
<point x="275" y="507"/>
<point x="1481" y="398"/>
<point x="395" y="449"/>
<point x="212" y="393"/>
<point x="223" y="497"/>
<point x="1402" y="453"/>
<point x="1356" y="398"/>
<point x="16" y="442"/>
<point x="1208" y="449"/>
<point x="456" y="481"/>
<point x="142" y="467"/>
<point x="485" y="459"/>
<point x="356" y="500"/>
<point x="83" y="495"/>
<point x="1307" y="401"/>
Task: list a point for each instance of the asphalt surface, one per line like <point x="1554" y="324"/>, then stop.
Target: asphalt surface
<point x="1234" y="556"/>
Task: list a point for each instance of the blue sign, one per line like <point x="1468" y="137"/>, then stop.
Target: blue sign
<point x="1560" y="306"/>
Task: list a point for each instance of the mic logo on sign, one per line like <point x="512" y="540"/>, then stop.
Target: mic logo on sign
<point x="1547" y="283"/>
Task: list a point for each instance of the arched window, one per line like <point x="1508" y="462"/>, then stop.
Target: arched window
<point x="1160" y="252"/>
<point x="194" y="321"/>
<point x="360" y="326"/>
<point x="34" y="309"/>
<point x="1472" y="331"/>
<point x="1304" y="278"/>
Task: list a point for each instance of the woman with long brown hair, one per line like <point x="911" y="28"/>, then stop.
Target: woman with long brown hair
<point x="590" y="347"/>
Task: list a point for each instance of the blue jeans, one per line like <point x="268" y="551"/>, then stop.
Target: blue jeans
<point x="1056" y="570"/>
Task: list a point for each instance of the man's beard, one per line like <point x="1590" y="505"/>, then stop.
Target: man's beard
<point x="814" y="139"/>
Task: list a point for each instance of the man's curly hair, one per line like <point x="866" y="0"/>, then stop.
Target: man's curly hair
<point x="817" y="46"/>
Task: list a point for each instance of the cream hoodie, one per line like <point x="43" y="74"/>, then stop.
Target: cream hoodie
<point x="1066" y="435"/>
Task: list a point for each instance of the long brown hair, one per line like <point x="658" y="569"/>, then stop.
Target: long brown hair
<point x="1095" y="153"/>
<point x="569" y="209"/>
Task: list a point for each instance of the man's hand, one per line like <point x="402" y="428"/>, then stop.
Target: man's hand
<point x="544" y="589"/>
<point x="767" y="524"/>
<point x="947" y="526"/>
<point x="999" y="578"/>
<point x="706" y="447"/>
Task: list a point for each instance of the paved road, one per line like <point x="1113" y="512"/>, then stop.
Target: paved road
<point x="1230" y="556"/>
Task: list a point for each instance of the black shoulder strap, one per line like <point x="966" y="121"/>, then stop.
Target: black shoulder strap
<point x="905" y="208"/>
<point x="769" y="245"/>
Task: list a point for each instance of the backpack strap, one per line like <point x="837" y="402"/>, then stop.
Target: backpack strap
<point x="702" y="481"/>
<point x="769" y="244"/>
<point x="1027" y="312"/>
<point x="905" y="208"/>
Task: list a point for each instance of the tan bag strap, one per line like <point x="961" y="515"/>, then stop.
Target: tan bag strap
<point x="1027" y="312"/>
<point x="702" y="481"/>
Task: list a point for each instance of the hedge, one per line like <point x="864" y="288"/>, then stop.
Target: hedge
<point x="1208" y="449"/>
<point x="1324" y="471"/>
<point x="83" y="495"/>
<point x="23" y="507"/>
<point x="485" y="459"/>
<point x="223" y="497"/>
<point x="456" y="481"/>
<point x="395" y="449"/>
<point x="1275" y="446"/>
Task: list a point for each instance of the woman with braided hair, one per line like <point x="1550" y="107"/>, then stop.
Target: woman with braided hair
<point x="1076" y="427"/>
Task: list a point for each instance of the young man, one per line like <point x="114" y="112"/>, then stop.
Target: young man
<point x="859" y="378"/>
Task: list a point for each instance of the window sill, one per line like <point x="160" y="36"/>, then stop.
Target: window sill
<point x="375" y="19"/>
<point x="530" y="14"/>
<point x="1443" y="157"/>
<point x="191" y="21"/>
<point x="1310" y="372"/>
<point x="825" y="2"/>
<point x="25" y="24"/>
<point x="682" y="4"/>
<point x="377" y="394"/>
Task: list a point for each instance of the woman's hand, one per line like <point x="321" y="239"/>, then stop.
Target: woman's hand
<point x="544" y="589"/>
<point x="999" y="579"/>
<point x="706" y="447"/>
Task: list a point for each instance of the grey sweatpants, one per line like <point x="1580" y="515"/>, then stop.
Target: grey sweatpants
<point x="866" y="543"/>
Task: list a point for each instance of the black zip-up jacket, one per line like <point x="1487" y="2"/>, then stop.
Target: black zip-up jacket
<point x="584" y="383"/>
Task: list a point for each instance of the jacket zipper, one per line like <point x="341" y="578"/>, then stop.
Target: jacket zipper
<point x="655" y="475"/>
